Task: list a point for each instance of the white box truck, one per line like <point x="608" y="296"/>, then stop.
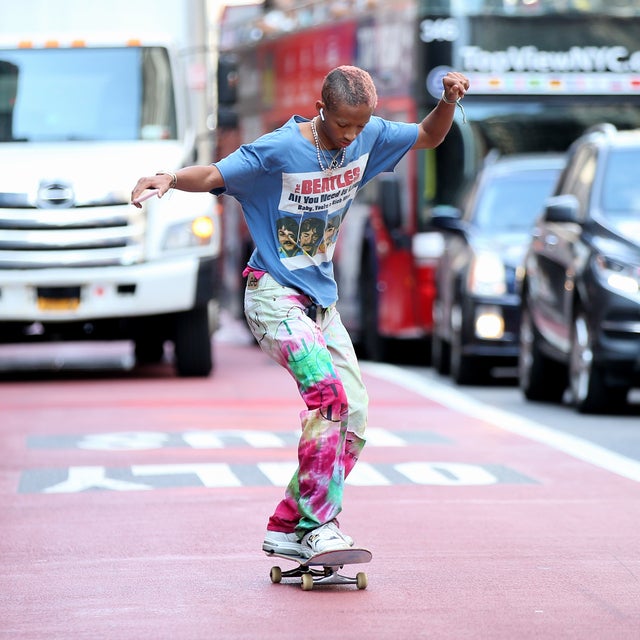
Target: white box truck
<point x="92" y="96"/>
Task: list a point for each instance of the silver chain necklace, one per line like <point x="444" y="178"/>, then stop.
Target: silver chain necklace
<point x="334" y="164"/>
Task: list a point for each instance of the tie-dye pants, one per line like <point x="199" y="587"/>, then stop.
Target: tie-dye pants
<point x="320" y="357"/>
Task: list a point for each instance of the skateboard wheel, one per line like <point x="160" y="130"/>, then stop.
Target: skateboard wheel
<point x="307" y="582"/>
<point x="361" y="580"/>
<point x="276" y="574"/>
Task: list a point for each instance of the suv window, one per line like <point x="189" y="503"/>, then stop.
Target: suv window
<point x="511" y="202"/>
<point x="579" y="177"/>
<point x="621" y="187"/>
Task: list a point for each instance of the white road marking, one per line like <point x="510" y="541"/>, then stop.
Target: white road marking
<point x="365" y="475"/>
<point x="278" y="473"/>
<point x="383" y="438"/>
<point x="214" y="440"/>
<point x="446" y="474"/>
<point x="462" y="403"/>
<point x="88" y="478"/>
<point x="218" y="475"/>
<point x="212" y="475"/>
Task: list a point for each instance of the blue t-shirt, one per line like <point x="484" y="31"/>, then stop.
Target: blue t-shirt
<point x="294" y="209"/>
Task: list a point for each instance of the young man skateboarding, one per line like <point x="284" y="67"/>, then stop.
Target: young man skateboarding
<point x="298" y="178"/>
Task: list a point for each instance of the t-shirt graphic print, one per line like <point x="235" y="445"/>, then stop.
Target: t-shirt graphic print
<point x="314" y="204"/>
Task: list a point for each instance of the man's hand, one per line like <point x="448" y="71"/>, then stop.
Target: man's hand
<point x="455" y="86"/>
<point x="160" y="184"/>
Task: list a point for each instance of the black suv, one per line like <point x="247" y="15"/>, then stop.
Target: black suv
<point x="477" y="307"/>
<point x="580" y="317"/>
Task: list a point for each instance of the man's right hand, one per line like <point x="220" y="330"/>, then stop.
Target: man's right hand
<point x="161" y="183"/>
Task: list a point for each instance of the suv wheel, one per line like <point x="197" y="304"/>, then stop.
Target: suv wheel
<point x="540" y="378"/>
<point x="589" y="391"/>
<point x="464" y="369"/>
<point x="440" y="353"/>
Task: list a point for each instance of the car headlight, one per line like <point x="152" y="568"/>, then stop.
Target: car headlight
<point x="487" y="275"/>
<point x="489" y="323"/>
<point x="618" y="275"/>
<point x="190" y="233"/>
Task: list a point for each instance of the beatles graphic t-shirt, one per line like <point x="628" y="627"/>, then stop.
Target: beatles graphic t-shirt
<point x="293" y="209"/>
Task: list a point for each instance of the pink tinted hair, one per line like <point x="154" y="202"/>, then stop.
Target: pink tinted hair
<point x="349" y="85"/>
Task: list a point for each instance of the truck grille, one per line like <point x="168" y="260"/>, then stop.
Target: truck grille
<point x="33" y="238"/>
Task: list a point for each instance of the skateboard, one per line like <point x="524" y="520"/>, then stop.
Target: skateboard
<point x="323" y="568"/>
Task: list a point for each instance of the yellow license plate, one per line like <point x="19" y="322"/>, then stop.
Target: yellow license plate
<point x="58" y="304"/>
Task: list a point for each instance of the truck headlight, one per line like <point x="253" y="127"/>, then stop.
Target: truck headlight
<point x="190" y="233"/>
<point x="618" y="275"/>
<point x="487" y="275"/>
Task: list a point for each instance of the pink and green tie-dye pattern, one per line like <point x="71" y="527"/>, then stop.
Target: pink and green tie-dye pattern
<point x="320" y="357"/>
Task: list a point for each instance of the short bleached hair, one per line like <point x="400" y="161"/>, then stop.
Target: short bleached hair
<point x="349" y="85"/>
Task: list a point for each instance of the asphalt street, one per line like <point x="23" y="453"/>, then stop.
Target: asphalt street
<point x="134" y="505"/>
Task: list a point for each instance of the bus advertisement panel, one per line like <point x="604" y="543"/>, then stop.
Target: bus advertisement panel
<point x="538" y="80"/>
<point x="539" y="77"/>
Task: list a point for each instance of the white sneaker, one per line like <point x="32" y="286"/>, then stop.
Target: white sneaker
<point x="325" y="538"/>
<point x="279" y="542"/>
<point x="334" y="526"/>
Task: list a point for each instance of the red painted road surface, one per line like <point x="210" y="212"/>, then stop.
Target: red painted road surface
<point x="133" y="505"/>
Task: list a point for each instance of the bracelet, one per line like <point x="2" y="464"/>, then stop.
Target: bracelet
<point x="174" y="178"/>
<point x="444" y="99"/>
<point x="458" y="103"/>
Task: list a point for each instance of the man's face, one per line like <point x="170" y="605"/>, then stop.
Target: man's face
<point x="343" y="124"/>
<point x="286" y="239"/>
<point x="309" y="238"/>
<point x="329" y="232"/>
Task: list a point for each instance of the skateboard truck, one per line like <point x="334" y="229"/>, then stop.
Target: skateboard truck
<point x="323" y="568"/>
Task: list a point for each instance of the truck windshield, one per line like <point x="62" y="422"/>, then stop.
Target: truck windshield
<point x="88" y="94"/>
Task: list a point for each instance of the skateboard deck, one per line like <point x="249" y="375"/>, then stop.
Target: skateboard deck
<point x="323" y="568"/>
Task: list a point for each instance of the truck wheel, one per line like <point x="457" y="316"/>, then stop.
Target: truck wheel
<point x="149" y="350"/>
<point x="193" y="346"/>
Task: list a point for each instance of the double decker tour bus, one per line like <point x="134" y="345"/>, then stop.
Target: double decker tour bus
<point x="541" y="73"/>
